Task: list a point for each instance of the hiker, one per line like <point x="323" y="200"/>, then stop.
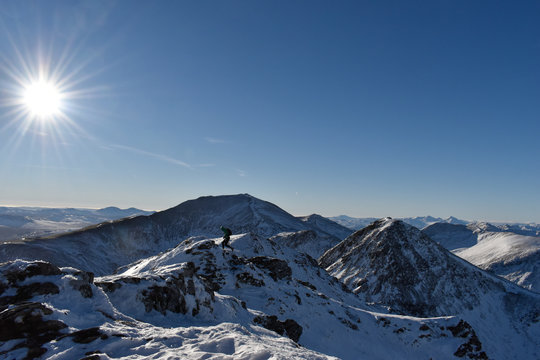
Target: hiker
<point x="226" y="237"/>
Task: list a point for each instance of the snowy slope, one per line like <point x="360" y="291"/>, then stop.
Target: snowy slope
<point x="197" y="301"/>
<point x="393" y="264"/>
<point x="128" y="240"/>
<point x="62" y="314"/>
<point x="514" y="257"/>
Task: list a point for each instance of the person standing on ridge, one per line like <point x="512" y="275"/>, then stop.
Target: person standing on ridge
<point x="226" y="237"/>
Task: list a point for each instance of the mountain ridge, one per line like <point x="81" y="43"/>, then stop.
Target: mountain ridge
<point x="130" y="239"/>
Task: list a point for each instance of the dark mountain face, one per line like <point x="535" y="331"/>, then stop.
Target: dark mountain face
<point x="451" y="236"/>
<point x="394" y="264"/>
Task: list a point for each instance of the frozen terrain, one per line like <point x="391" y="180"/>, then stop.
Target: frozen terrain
<point x="393" y="264"/>
<point x="162" y="287"/>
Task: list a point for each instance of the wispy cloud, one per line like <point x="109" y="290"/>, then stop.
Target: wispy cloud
<point x="241" y="173"/>
<point x="212" y="140"/>
<point x="151" y="154"/>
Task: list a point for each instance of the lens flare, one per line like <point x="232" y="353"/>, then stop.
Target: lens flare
<point x="42" y="99"/>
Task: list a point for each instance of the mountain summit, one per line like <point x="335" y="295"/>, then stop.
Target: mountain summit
<point x="394" y="264"/>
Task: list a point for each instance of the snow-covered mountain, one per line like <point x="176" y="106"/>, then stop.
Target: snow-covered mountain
<point x="521" y="229"/>
<point x="512" y="256"/>
<point x="419" y="222"/>
<point x="28" y="222"/>
<point x="259" y="301"/>
<point x="166" y="289"/>
<point x="394" y="264"/>
<point x="326" y="225"/>
<point x="128" y="240"/>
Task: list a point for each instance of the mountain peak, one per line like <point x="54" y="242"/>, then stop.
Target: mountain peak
<point x="394" y="264"/>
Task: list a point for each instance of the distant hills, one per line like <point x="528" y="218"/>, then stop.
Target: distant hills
<point x="29" y="222"/>
<point x="419" y="222"/>
<point x="510" y="255"/>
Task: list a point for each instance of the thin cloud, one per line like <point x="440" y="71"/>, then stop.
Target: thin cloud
<point x="212" y="140"/>
<point x="151" y="154"/>
<point x="241" y="173"/>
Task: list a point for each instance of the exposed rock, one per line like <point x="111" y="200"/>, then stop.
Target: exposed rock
<point x="207" y="245"/>
<point x="25" y="321"/>
<point x="83" y="283"/>
<point x="307" y="284"/>
<point x="86" y="336"/>
<point x="247" y="278"/>
<point x="163" y="298"/>
<point x="289" y="327"/>
<point x="91" y="357"/>
<point x="131" y="280"/>
<point x="277" y="268"/>
<point x="473" y="347"/>
<point x="33" y="269"/>
<point x="26" y="292"/>
<point x="170" y="295"/>
<point x="109" y="286"/>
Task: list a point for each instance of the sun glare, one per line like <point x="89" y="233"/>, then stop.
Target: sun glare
<point x="42" y="99"/>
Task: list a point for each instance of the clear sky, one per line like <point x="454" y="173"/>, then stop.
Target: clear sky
<point x="364" y="108"/>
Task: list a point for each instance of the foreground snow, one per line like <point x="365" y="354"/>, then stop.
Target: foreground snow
<point x="131" y="315"/>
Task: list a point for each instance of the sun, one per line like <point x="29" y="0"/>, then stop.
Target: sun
<point x="42" y="99"/>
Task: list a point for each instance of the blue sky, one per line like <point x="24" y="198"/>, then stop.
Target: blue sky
<point x="380" y="108"/>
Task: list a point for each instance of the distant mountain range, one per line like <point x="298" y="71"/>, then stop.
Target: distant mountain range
<point x="510" y="255"/>
<point x="161" y="286"/>
<point x="28" y="222"/>
<point x="421" y="222"/>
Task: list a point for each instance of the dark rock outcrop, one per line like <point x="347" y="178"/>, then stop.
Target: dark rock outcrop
<point x="86" y="336"/>
<point x="288" y="327"/>
<point x="277" y="268"/>
<point x="26" y="292"/>
<point x="109" y="286"/>
<point x="82" y="284"/>
<point x="170" y="295"/>
<point x="473" y="347"/>
<point x="247" y="278"/>
<point x="26" y="322"/>
<point x="33" y="269"/>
